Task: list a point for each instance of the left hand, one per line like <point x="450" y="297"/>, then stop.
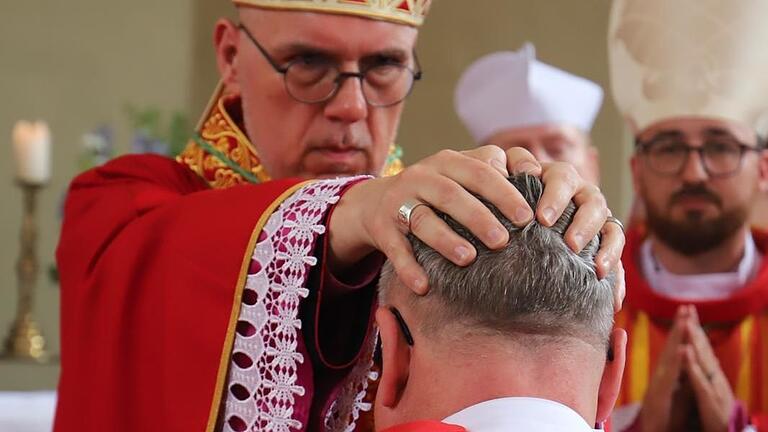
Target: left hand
<point x="561" y="184"/>
<point x="714" y="396"/>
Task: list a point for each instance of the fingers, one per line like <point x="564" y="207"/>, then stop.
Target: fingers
<point x="399" y="252"/>
<point x="619" y="288"/>
<point x="700" y="343"/>
<point x="670" y="358"/>
<point x="611" y="247"/>
<point x="706" y="358"/>
<point x="591" y="214"/>
<point x="434" y="232"/>
<point x="657" y="404"/>
<point x="492" y="155"/>
<point x="700" y="382"/>
<point x="478" y="177"/>
<point x="441" y="186"/>
<point x="562" y="182"/>
<point x="520" y="160"/>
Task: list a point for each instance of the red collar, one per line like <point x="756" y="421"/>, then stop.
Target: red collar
<point x="749" y="300"/>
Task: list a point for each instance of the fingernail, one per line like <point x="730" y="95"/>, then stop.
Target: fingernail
<point x="579" y="240"/>
<point x="523" y="215"/>
<point x="526" y="167"/>
<point x="495" y="236"/>
<point x="420" y="284"/>
<point x="500" y="167"/>
<point x="462" y="253"/>
<point x="606" y="264"/>
<point x="549" y="214"/>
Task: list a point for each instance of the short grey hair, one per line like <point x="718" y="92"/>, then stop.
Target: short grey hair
<point x="536" y="285"/>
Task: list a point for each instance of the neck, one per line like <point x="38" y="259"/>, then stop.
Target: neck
<point x="723" y="258"/>
<point x="443" y="383"/>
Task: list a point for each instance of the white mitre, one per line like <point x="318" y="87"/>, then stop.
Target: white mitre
<point x="509" y="89"/>
<point x="700" y="58"/>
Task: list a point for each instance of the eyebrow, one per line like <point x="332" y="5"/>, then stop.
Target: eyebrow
<point x="395" y="53"/>
<point x="718" y="132"/>
<point x="672" y="134"/>
<point x="281" y="52"/>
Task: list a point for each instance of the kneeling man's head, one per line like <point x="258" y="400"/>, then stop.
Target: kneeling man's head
<point x="529" y="320"/>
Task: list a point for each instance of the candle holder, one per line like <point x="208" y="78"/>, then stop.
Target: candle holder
<point x="25" y="341"/>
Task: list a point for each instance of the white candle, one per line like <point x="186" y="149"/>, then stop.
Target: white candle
<point x="32" y="148"/>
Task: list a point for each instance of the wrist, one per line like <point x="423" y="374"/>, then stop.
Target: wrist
<point x="348" y="240"/>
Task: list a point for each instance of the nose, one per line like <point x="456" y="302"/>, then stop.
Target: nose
<point x="694" y="170"/>
<point x="348" y="105"/>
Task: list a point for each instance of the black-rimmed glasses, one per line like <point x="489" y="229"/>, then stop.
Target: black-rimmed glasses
<point x="721" y="157"/>
<point x="316" y="80"/>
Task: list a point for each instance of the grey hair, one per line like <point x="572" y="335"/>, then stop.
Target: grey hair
<point x="535" y="285"/>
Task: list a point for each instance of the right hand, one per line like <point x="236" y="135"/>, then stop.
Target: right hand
<point x="365" y="219"/>
<point x="659" y="409"/>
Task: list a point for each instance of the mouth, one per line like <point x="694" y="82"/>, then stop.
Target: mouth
<point x="334" y="161"/>
<point x="696" y="206"/>
<point x="338" y="154"/>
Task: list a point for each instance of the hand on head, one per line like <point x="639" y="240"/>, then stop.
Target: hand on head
<point x="366" y="218"/>
<point x="520" y="307"/>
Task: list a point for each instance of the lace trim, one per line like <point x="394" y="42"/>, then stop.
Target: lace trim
<point x="262" y="383"/>
<point x="350" y="401"/>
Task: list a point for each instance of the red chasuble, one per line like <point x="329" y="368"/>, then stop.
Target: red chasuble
<point x="149" y="263"/>
<point x="194" y="302"/>
<point x="737" y="328"/>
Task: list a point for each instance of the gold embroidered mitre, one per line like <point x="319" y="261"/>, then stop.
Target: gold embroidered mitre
<point x="409" y="12"/>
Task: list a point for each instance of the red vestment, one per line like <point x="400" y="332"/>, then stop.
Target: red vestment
<point x="737" y="328"/>
<point x="160" y="265"/>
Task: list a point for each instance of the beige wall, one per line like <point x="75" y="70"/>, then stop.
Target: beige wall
<point x="567" y="34"/>
<point x="77" y="63"/>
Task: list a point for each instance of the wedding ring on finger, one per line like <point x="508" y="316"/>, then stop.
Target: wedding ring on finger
<point x="406" y="210"/>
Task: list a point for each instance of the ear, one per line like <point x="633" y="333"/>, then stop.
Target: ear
<point x="612" y="374"/>
<point x="226" y="39"/>
<point x="396" y="357"/>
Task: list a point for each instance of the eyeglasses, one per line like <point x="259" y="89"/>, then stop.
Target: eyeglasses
<point x="403" y="326"/>
<point x="721" y="157"/>
<point x="314" y="79"/>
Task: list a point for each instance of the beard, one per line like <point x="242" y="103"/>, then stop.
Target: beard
<point x="695" y="234"/>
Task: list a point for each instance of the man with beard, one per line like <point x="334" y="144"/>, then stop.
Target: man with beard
<point x="691" y="84"/>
